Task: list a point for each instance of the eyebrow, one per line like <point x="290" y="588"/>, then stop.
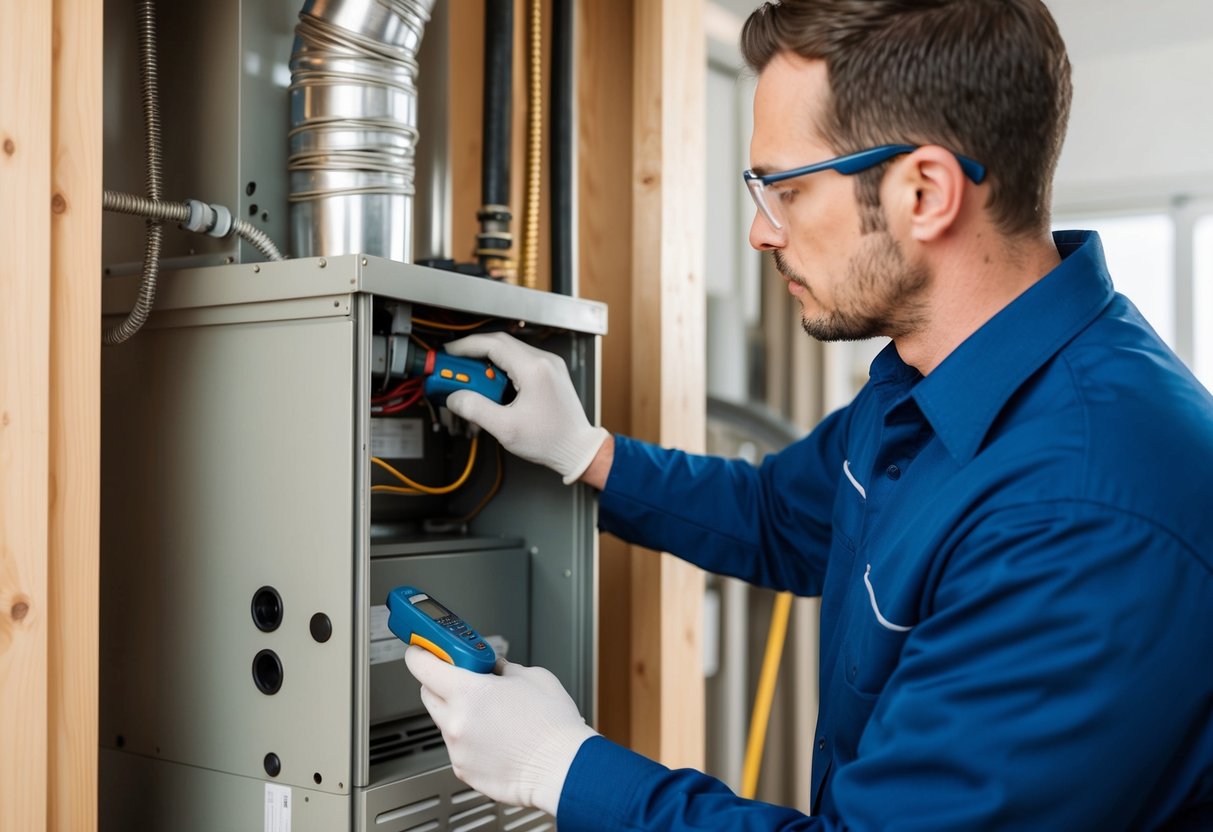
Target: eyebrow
<point x="761" y="170"/>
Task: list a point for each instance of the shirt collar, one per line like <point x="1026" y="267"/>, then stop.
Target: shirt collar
<point x="963" y="396"/>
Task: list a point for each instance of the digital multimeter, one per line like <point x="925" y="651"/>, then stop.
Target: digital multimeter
<point x="416" y="618"/>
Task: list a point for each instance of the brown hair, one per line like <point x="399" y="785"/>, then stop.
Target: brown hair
<point x="988" y="79"/>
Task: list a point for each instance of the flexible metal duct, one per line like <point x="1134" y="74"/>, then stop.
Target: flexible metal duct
<point x="354" y="126"/>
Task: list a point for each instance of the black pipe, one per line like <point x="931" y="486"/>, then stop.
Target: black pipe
<point x="498" y="91"/>
<point x="564" y="269"/>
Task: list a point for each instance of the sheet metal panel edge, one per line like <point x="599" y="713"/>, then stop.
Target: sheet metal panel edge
<point x="350" y="273"/>
<point x="480" y="296"/>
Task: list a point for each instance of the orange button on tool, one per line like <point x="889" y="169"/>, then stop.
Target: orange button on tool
<point x="446" y="373"/>
<point x="488" y="371"/>
<point x="462" y="377"/>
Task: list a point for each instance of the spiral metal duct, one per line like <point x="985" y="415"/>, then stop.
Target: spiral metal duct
<point x="354" y="126"/>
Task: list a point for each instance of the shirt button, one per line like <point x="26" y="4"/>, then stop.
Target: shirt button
<point x="892" y="472"/>
<point x="821" y="743"/>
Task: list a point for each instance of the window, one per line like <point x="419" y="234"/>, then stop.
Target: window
<point x="1140" y="250"/>
<point x="1202" y="293"/>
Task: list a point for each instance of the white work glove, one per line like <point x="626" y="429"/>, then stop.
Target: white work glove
<point x="511" y="736"/>
<point x="545" y="423"/>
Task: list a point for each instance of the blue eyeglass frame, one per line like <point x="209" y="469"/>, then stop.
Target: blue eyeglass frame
<point x="861" y="161"/>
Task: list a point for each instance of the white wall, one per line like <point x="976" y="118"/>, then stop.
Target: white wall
<point x="1142" y="119"/>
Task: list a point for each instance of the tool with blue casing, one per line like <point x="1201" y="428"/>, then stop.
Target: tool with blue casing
<point x="444" y="374"/>
<point x="416" y="618"/>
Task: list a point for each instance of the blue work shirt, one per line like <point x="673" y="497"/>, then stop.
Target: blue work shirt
<point x="1014" y="555"/>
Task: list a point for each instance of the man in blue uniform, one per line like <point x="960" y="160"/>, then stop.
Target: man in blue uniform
<point x="1010" y="527"/>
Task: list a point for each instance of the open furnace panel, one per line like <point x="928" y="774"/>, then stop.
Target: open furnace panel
<point x="248" y="545"/>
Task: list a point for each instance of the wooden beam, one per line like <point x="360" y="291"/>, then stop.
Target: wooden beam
<point x="603" y="67"/>
<point x="668" y="358"/>
<point x="75" y="415"/>
<point x="25" y="143"/>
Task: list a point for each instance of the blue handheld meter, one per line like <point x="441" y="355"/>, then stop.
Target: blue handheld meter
<point x="416" y="618"/>
<point x="445" y="373"/>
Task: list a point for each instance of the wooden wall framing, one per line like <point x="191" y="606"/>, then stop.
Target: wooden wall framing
<point x="641" y="179"/>
<point x="50" y="338"/>
<point x="640" y="100"/>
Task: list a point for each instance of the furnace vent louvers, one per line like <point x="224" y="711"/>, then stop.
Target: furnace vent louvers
<point x="354" y="126"/>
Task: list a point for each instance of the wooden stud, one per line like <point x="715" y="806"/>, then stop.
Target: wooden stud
<point x="75" y="416"/>
<point x="668" y="366"/>
<point x="603" y="53"/>
<point x="25" y="205"/>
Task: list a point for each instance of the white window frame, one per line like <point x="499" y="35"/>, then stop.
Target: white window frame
<point x="1184" y="212"/>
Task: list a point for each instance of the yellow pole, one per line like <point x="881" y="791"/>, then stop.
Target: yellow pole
<point x="766" y="693"/>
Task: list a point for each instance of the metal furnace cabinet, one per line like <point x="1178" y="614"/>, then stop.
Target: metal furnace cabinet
<point x="247" y="679"/>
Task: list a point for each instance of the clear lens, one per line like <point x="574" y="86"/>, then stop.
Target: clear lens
<point x="766" y="202"/>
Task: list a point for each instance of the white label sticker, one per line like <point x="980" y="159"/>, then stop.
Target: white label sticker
<point x="379" y="618"/>
<point x="387" y="651"/>
<point x="398" y="438"/>
<point x="385" y="647"/>
<point x="277" y="808"/>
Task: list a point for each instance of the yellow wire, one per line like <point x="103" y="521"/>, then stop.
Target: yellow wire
<point x="428" y="489"/>
<point x="766" y="692"/>
<point x="455" y="327"/>
<point x="492" y="491"/>
<point x="394" y="489"/>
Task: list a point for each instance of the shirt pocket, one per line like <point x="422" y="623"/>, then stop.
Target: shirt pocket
<point x="875" y="637"/>
<point x="850" y="502"/>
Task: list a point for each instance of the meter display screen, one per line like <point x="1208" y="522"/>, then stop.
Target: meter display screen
<point x="432" y="608"/>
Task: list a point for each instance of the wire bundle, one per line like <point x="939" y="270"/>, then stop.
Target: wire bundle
<point x="400" y="398"/>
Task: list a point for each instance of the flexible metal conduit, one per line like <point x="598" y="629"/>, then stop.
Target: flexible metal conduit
<point x="354" y="126"/>
<point x="195" y="215"/>
<point x="151" y="118"/>
<point x="534" y="147"/>
<point x="215" y="220"/>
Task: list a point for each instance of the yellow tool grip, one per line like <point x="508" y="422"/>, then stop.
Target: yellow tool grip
<point x="422" y="641"/>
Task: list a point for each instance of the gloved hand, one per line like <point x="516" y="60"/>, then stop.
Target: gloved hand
<point x="511" y="736"/>
<point x="545" y="423"/>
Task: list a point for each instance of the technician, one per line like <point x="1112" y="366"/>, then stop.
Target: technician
<point x="1011" y="526"/>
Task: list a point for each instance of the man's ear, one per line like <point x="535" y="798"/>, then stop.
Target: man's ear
<point x="929" y="188"/>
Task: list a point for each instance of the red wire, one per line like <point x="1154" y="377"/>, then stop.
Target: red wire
<point x="405" y="387"/>
<point x="403" y="405"/>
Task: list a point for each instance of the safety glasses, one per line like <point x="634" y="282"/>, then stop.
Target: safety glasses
<point x="767" y="199"/>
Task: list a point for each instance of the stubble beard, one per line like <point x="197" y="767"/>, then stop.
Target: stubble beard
<point x="880" y="295"/>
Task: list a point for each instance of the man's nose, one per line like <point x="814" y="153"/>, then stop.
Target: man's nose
<point x="763" y="235"/>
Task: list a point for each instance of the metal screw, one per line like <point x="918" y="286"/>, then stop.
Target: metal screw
<point x="568" y="573"/>
<point x="256" y="269"/>
<point x="229" y="260"/>
<point x="336" y="303"/>
<point x="534" y="550"/>
<point x="364" y="261"/>
<point x="323" y="262"/>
